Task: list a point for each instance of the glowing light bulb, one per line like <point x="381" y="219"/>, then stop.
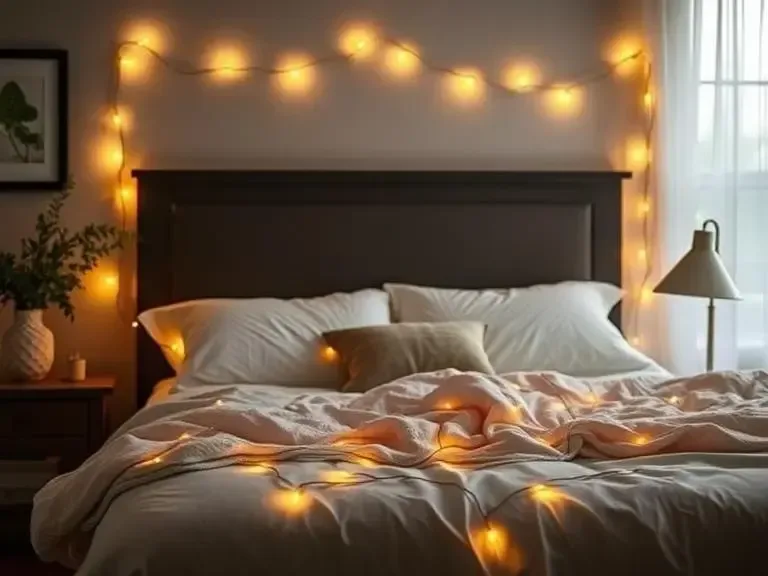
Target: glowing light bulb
<point x="642" y="255"/>
<point x="117" y="120"/>
<point x="674" y="400"/>
<point x="521" y="77"/>
<point x="292" y="501"/>
<point x="219" y="403"/>
<point x="111" y="280"/>
<point x="402" y="60"/>
<point x="636" y="341"/>
<point x="640" y="440"/>
<point x="545" y="494"/>
<point x="227" y="63"/>
<point x="134" y="324"/>
<point x="184" y="436"/>
<point x="329" y="354"/>
<point x="592" y="398"/>
<point x="644" y="207"/>
<point x="358" y="41"/>
<point x="648" y="101"/>
<point x="116" y="156"/>
<point x="638" y="154"/>
<point x="447" y="405"/>
<point x="338" y="477"/>
<point x="127" y="63"/>
<point x="143" y="42"/>
<point x="465" y="86"/>
<point x="624" y="54"/>
<point x="365" y="462"/>
<point x="646" y="295"/>
<point x="296" y="75"/>
<point x="564" y="102"/>
<point x="257" y="469"/>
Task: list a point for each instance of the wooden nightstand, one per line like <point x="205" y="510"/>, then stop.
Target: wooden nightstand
<point x="54" y="420"/>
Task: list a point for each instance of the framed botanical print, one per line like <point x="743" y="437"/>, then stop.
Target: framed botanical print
<point x="33" y="119"/>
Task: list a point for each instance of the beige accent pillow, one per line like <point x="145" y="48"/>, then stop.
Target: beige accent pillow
<point x="375" y="355"/>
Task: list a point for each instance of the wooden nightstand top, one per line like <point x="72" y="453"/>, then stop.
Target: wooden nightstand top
<point x="92" y="386"/>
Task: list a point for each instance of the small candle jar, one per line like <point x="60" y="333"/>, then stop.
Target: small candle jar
<point x="76" y="368"/>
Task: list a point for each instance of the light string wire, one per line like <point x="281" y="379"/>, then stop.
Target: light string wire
<point x="650" y="118"/>
<point x="268" y="462"/>
<point x="186" y="68"/>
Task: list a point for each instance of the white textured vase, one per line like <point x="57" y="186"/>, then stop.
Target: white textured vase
<point x="27" y="348"/>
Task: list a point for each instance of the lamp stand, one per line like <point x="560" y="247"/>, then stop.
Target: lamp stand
<point x="710" y="335"/>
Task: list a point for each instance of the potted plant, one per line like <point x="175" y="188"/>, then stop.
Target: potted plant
<point x="49" y="267"/>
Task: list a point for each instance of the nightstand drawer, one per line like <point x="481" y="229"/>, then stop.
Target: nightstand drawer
<point x="71" y="451"/>
<point x="45" y="418"/>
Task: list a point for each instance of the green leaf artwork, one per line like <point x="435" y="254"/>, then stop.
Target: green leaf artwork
<point x="15" y="115"/>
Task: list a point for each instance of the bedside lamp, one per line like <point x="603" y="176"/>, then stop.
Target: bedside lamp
<point x="702" y="273"/>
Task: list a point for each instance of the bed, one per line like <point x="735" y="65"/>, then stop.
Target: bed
<point x="426" y="474"/>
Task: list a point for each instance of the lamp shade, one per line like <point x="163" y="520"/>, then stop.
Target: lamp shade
<point x="700" y="272"/>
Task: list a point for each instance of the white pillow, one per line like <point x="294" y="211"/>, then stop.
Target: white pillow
<point x="561" y="327"/>
<point x="263" y="340"/>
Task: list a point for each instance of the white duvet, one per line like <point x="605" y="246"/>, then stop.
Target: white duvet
<point x="444" y="473"/>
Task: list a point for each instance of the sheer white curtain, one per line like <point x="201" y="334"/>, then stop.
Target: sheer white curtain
<point x="711" y="62"/>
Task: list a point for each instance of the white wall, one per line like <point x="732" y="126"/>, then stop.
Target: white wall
<point x="357" y="119"/>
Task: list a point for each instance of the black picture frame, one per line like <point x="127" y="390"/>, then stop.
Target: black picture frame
<point x="57" y="162"/>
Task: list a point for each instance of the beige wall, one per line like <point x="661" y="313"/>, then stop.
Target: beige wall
<point x="357" y="119"/>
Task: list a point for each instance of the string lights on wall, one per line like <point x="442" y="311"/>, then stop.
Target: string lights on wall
<point x="295" y="75"/>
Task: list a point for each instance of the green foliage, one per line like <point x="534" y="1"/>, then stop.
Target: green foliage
<point x="15" y="113"/>
<point x="51" y="264"/>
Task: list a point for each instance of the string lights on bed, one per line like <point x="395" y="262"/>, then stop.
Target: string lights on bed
<point x="491" y="542"/>
<point x="294" y="75"/>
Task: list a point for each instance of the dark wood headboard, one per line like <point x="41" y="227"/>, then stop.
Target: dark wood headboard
<point x="205" y="234"/>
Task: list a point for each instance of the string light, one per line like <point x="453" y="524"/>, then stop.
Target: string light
<point x="219" y="403"/>
<point x="640" y="440"/>
<point x="545" y="494"/>
<point x="466" y="86"/>
<point x="134" y="324"/>
<point x="292" y="501"/>
<point x="337" y="477"/>
<point x="402" y="60"/>
<point x="674" y="400"/>
<point x="638" y="154"/>
<point x="358" y="41"/>
<point x="227" y="63"/>
<point x="257" y="469"/>
<point x="521" y="77"/>
<point x="447" y="405"/>
<point x="646" y="295"/>
<point x="297" y="75"/>
<point x="329" y="354"/>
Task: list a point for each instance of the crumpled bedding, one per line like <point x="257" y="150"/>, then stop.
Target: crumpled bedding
<point x="448" y="472"/>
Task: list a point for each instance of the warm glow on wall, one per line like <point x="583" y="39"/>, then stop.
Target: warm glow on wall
<point x="298" y="77"/>
<point x="358" y="41"/>
<point x="646" y="295"/>
<point x="136" y="61"/>
<point x="402" y="60"/>
<point x="521" y="77"/>
<point x="622" y="52"/>
<point x="649" y="101"/>
<point x="638" y="154"/>
<point x="292" y="501"/>
<point x="465" y="86"/>
<point x="227" y="63"/>
<point x="565" y="102"/>
<point x="103" y="283"/>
